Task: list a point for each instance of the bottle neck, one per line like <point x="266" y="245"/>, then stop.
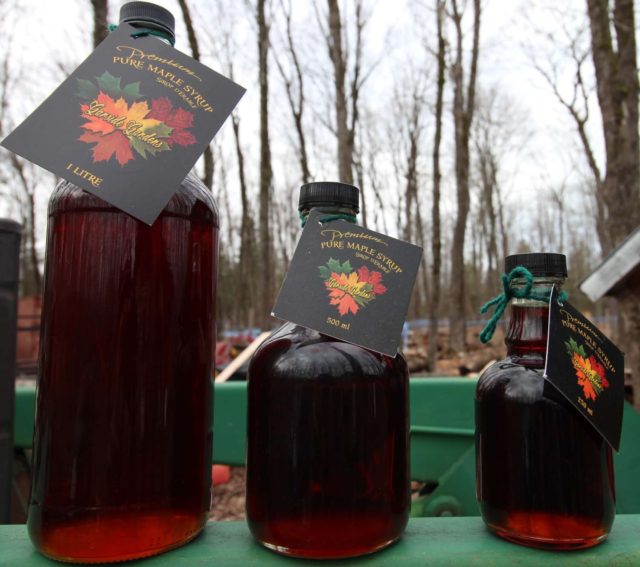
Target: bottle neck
<point x="143" y="29"/>
<point x="526" y="337"/>
<point x="330" y="212"/>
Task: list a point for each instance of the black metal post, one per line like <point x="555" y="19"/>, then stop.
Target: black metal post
<point x="10" y="233"/>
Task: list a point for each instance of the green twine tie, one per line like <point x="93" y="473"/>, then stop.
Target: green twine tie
<point x="144" y="31"/>
<point x="329" y="218"/>
<point x="501" y="301"/>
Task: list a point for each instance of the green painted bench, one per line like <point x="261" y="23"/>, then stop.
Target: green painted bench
<point x="442" y="453"/>
<point x="436" y="542"/>
<point x="442" y="442"/>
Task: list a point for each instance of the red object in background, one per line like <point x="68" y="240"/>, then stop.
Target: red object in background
<point x="28" y="340"/>
<point x="223" y="354"/>
<point x="220" y="474"/>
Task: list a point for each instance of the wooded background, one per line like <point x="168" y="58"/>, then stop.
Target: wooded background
<point x="418" y="116"/>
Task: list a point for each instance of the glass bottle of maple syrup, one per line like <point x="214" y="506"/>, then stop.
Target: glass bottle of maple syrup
<point x="544" y="475"/>
<point x="122" y="444"/>
<point x="328" y="433"/>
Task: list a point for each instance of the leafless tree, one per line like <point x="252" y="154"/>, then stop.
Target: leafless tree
<point x="499" y="133"/>
<point x="574" y="47"/>
<point x="347" y="89"/>
<point x="247" y="229"/>
<point x="100" y="20"/>
<point x="463" y="109"/>
<point x="293" y="81"/>
<point x="436" y="242"/>
<point x="406" y="135"/>
<point x="21" y="178"/>
<point x="266" y="172"/>
<point x="615" y="62"/>
<point x="209" y="165"/>
<point x="613" y="49"/>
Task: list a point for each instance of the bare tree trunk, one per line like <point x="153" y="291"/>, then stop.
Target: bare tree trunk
<point x="100" y="16"/>
<point x="436" y="246"/>
<point x="346" y="103"/>
<point x="359" y="167"/>
<point x="247" y="232"/>
<point x="487" y="210"/>
<point x="413" y="229"/>
<point x="411" y="174"/>
<point x="338" y="58"/>
<point x="294" y="87"/>
<point x="463" y="108"/>
<point x="266" y="173"/>
<point x="207" y="178"/>
<point x="617" y="84"/>
<point x="616" y="69"/>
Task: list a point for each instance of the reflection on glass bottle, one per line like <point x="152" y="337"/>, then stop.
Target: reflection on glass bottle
<point x="328" y="434"/>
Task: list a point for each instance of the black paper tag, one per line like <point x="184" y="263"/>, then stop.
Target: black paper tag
<point x="350" y="283"/>
<point x="129" y="123"/>
<point x="586" y="367"/>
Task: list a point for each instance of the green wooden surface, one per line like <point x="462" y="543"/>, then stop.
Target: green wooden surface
<point x="451" y="542"/>
<point x="442" y="424"/>
<point x="229" y="431"/>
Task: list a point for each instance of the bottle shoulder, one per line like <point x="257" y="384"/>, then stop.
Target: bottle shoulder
<point x="192" y="199"/>
<point x="511" y="381"/>
<point x="296" y="351"/>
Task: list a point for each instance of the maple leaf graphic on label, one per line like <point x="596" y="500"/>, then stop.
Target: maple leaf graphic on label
<point x="118" y="123"/>
<point x="590" y="373"/>
<point x="350" y="290"/>
<point x="176" y="118"/>
<point x="106" y="146"/>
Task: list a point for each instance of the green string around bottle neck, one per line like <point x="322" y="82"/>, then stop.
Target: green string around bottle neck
<point x="145" y="31"/>
<point x="328" y="218"/>
<point x="501" y="301"/>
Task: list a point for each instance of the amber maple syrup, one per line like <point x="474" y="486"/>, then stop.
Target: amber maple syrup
<point x="544" y="475"/>
<point x="327" y="474"/>
<point x="328" y="435"/>
<point x="122" y="446"/>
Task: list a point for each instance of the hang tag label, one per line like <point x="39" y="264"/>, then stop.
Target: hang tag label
<point x="129" y="123"/>
<point x="586" y="367"/>
<point x="350" y="283"/>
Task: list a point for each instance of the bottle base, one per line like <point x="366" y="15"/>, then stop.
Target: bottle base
<point x="328" y="535"/>
<point x="545" y="532"/>
<point x="327" y="554"/>
<point x="117" y="539"/>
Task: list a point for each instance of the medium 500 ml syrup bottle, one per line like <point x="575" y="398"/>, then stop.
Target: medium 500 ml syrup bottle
<point x="122" y="446"/>
<point x="328" y="434"/>
<point x="544" y="475"/>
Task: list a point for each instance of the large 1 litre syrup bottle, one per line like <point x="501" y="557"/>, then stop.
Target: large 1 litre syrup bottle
<point x="544" y="475"/>
<point x="122" y="446"/>
<point x="328" y="434"/>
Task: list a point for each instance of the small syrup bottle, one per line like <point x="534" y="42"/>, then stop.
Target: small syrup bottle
<point x="122" y="441"/>
<point x="544" y="475"/>
<point x="328" y="433"/>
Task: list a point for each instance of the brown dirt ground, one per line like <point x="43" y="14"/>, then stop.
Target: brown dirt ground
<point x="228" y="498"/>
